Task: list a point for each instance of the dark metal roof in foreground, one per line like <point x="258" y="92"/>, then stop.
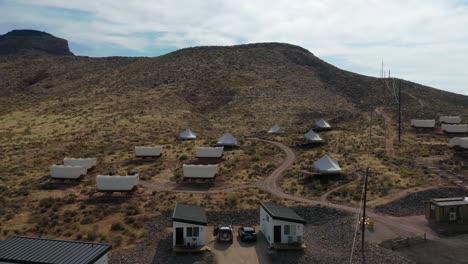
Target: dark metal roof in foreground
<point x="190" y="214"/>
<point x="281" y="212"/>
<point x="46" y="251"/>
<point x="451" y="201"/>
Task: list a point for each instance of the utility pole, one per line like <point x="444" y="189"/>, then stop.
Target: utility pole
<point x="363" y="231"/>
<point x="399" y="110"/>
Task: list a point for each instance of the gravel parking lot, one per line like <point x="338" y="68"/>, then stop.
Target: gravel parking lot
<point x="328" y="236"/>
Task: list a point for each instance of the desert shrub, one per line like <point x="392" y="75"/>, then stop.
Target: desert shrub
<point x="183" y="157"/>
<point x="117" y="226"/>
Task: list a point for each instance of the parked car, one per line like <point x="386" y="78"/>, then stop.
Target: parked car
<point x="247" y="233"/>
<point x="224" y="233"/>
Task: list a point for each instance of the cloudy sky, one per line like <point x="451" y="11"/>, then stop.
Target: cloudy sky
<point x="422" y="41"/>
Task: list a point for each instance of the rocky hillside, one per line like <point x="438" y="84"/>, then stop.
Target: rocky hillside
<point x="32" y="41"/>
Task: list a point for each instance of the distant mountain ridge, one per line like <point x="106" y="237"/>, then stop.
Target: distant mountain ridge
<point x="33" y="42"/>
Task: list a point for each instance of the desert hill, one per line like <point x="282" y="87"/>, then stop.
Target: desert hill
<point x="32" y="42"/>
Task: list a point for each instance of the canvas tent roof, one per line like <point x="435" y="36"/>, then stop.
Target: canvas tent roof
<point x="450" y="119"/>
<point x="227" y="139"/>
<point x="423" y="123"/>
<point x="326" y="165"/>
<point x="461" y="142"/>
<point x="275" y="130"/>
<point x="187" y="134"/>
<point x="38" y="250"/>
<point x="322" y="124"/>
<point x="312" y="136"/>
<point x="281" y="212"/>
<point x="190" y="214"/>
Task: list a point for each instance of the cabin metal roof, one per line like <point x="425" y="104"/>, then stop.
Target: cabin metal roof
<point x="190" y="214"/>
<point x="451" y="201"/>
<point x="281" y="212"/>
<point x="18" y="249"/>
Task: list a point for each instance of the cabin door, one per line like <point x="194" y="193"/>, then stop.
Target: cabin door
<point x="179" y="235"/>
<point x="277" y="234"/>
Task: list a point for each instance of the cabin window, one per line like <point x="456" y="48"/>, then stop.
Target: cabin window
<point x="193" y="231"/>
<point x="290" y="230"/>
<point x="268" y="218"/>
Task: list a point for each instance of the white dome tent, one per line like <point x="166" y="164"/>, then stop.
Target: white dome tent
<point x="187" y="134"/>
<point x="146" y="151"/>
<point x="227" y="140"/>
<point x="449" y="128"/>
<point x="88" y="163"/>
<point x="65" y="172"/>
<point x="312" y="137"/>
<point x="276" y="130"/>
<point x="326" y="165"/>
<point x="200" y="171"/>
<point x="322" y="125"/>
<point x="108" y="183"/>
<point x="207" y="152"/>
<point x="423" y="123"/>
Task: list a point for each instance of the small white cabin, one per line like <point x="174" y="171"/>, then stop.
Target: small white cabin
<point x="276" y="130"/>
<point x="200" y="171"/>
<point x="207" y="152"/>
<point x="88" y="163"/>
<point x="423" y="123"/>
<point x="461" y="142"/>
<point x="450" y="119"/>
<point x="449" y="128"/>
<point x="227" y="140"/>
<point x="187" y="134"/>
<point x="18" y="249"/>
<point x="281" y="225"/>
<point x="141" y="151"/>
<point x="107" y="183"/>
<point x="67" y="172"/>
<point x="326" y="165"/>
<point x="189" y="226"/>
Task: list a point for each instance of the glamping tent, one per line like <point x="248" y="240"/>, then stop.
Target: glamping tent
<point x="227" y="140"/>
<point x="148" y="151"/>
<point x="276" y="130"/>
<point x="106" y="183"/>
<point x="187" y="134"/>
<point x="423" y="123"/>
<point x="200" y="171"/>
<point x="450" y="119"/>
<point x="88" y="163"/>
<point x="206" y="152"/>
<point x="322" y="125"/>
<point x="455" y="128"/>
<point x="326" y="165"/>
<point x="281" y="225"/>
<point x="461" y="142"/>
<point x="313" y="137"/>
<point x="189" y="225"/>
<point x="67" y="172"/>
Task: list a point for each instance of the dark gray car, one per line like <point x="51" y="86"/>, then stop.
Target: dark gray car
<point x="246" y="233"/>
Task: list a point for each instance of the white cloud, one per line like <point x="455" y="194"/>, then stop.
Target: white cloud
<point x="421" y="41"/>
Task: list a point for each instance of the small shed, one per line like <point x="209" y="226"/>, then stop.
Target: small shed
<point x="460" y="142"/>
<point x="227" y="140"/>
<point x="312" y="137"/>
<point x="326" y="165"/>
<point x="208" y="152"/>
<point x="33" y="250"/>
<point x="423" y="123"/>
<point x="280" y="225"/>
<point x="67" y="172"/>
<point x="447" y="210"/>
<point x="88" y="163"/>
<point x="141" y="151"/>
<point x="455" y="129"/>
<point x="107" y="183"/>
<point x="187" y="134"/>
<point x="450" y="119"/>
<point x="276" y="130"/>
<point x="322" y="125"/>
<point x="189" y="226"/>
<point x="200" y="171"/>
